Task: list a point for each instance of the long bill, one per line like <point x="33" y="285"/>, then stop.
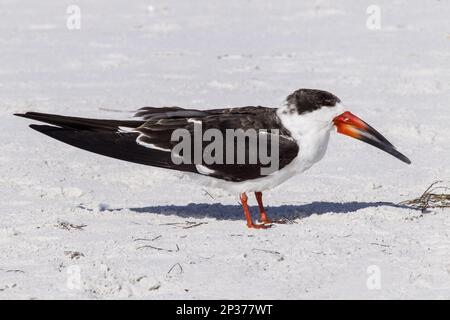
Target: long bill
<point x="352" y="126"/>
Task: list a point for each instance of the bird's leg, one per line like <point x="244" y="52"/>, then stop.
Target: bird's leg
<point x="248" y="216"/>
<point x="263" y="214"/>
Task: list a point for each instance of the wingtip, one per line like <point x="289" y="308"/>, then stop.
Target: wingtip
<point x="23" y="115"/>
<point x="405" y="159"/>
<point x="34" y="126"/>
<point x="44" y="128"/>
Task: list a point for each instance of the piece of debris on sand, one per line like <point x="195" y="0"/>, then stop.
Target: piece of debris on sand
<point x="437" y="195"/>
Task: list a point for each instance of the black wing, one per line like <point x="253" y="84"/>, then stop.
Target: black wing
<point x="157" y="131"/>
<point x="104" y="137"/>
<point x="148" y="141"/>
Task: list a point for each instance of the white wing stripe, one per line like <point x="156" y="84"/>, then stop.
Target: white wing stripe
<point x="150" y="145"/>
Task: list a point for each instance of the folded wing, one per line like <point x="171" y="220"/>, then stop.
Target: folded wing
<point x="148" y="141"/>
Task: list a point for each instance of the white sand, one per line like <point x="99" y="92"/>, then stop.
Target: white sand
<point x="218" y="54"/>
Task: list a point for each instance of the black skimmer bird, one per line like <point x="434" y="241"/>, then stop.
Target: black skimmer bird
<point x="301" y="127"/>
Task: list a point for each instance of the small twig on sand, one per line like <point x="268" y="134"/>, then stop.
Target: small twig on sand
<point x="433" y="197"/>
<point x="267" y="251"/>
<point x="145" y="239"/>
<point x="380" y="244"/>
<point x="279" y="256"/>
<point x="176" y="264"/>
<point x="69" y="226"/>
<point x="209" y="194"/>
<point x="16" y="271"/>
<point x="194" y="225"/>
<point x="159" y="249"/>
<point x="185" y="225"/>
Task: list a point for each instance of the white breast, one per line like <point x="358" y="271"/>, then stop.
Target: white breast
<point x="312" y="135"/>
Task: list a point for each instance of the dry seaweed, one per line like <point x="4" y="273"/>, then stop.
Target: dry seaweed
<point x="437" y="195"/>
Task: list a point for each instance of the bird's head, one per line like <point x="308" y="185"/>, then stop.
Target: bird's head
<point x="312" y="109"/>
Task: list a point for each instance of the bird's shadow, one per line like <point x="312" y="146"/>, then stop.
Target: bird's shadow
<point x="234" y="212"/>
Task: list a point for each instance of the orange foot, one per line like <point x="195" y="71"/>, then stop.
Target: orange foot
<point x="265" y="219"/>
<point x="270" y="221"/>
<point x="259" y="226"/>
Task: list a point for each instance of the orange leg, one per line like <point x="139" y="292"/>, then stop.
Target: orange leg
<point x="250" y="223"/>
<point x="263" y="214"/>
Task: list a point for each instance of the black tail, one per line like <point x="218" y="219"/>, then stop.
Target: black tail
<point x="103" y="137"/>
<point x="80" y="123"/>
<point x="120" y="146"/>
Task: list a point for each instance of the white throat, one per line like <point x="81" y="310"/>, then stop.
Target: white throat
<point x="311" y="131"/>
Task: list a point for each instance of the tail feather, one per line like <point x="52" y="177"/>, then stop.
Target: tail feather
<point x="120" y="146"/>
<point x="80" y="123"/>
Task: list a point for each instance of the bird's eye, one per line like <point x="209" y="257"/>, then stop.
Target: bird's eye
<point x="329" y="102"/>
